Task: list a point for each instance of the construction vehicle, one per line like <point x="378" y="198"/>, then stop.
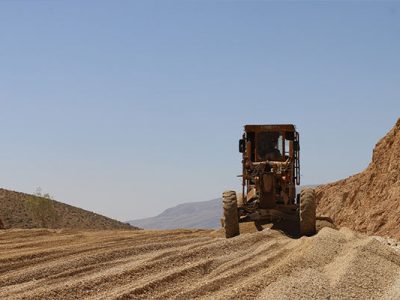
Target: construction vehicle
<point x="271" y="171"/>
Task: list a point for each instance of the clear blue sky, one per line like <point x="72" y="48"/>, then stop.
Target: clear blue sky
<point x="126" y="107"/>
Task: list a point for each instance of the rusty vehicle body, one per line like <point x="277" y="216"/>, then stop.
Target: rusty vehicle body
<point x="270" y="173"/>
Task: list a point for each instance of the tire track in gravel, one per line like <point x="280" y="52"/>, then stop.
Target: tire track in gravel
<point x="47" y="253"/>
<point x="128" y="271"/>
<point x="182" y="264"/>
<point x="112" y="259"/>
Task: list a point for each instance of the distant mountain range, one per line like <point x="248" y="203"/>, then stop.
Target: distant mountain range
<point x="204" y="214"/>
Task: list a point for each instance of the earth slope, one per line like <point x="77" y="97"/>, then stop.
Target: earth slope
<point x="188" y="264"/>
<point x="369" y="201"/>
<point x="19" y="210"/>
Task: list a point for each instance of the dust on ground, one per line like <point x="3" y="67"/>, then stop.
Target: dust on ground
<point x="185" y="264"/>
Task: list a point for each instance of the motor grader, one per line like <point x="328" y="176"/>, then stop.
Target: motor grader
<point x="271" y="171"/>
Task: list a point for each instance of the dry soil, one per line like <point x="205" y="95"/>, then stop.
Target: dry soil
<point x="369" y="201"/>
<point x="186" y="264"/>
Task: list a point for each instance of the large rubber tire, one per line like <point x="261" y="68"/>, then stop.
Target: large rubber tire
<point x="231" y="219"/>
<point x="239" y="199"/>
<point x="308" y="209"/>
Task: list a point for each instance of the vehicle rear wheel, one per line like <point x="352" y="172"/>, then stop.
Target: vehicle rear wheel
<point x="307" y="212"/>
<point x="239" y="199"/>
<point x="231" y="219"/>
<point x="258" y="226"/>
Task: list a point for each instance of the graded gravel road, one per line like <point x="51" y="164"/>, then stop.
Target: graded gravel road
<point x="187" y="264"/>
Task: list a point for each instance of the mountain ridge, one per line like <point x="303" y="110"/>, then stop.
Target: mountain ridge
<point x="201" y="214"/>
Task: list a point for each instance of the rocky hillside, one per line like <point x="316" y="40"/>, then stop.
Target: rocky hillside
<point x="19" y="210"/>
<point x="369" y="201"/>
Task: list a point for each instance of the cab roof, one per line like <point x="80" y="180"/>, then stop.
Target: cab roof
<point x="270" y="127"/>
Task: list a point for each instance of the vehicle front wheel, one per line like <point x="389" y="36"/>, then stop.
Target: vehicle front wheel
<point x="307" y="212"/>
<point x="231" y="219"/>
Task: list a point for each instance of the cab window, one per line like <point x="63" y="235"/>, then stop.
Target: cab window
<point x="269" y="145"/>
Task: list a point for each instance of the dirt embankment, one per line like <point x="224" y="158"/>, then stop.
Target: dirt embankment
<point x="19" y="210"/>
<point x="369" y="201"/>
<point x="186" y="264"/>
